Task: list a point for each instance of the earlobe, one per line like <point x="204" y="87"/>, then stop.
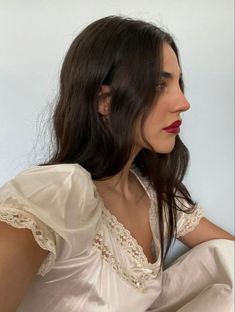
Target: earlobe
<point x="103" y="107"/>
<point x="104" y="100"/>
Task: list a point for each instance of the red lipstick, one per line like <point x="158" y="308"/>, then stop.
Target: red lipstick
<point x="174" y="127"/>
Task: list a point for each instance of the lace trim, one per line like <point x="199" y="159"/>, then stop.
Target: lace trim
<point x="11" y="212"/>
<point x="124" y="237"/>
<point x="138" y="281"/>
<point x="192" y="220"/>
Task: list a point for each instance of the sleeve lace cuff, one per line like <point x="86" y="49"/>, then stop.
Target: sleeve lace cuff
<point x="43" y="235"/>
<point x="191" y="221"/>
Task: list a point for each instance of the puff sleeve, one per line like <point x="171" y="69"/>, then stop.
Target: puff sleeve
<point x="187" y="222"/>
<point x="58" y="203"/>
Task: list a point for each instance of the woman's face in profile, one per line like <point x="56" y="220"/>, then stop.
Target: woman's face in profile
<point x="167" y="108"/>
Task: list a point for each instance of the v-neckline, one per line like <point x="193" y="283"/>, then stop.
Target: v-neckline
<point x="131" y="240"/>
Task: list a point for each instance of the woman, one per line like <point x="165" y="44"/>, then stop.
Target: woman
<point x="89" y="229"/>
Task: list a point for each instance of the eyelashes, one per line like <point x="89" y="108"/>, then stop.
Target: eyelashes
<point x="181" y="83"/>
<point x="162" y="85"/>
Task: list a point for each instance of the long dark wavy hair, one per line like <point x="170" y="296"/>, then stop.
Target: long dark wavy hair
<point x="125" y="54"/>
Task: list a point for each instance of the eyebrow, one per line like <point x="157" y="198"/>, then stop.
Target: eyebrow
<point x="168" y="75"/>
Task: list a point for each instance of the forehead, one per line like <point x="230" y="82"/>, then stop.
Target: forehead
<point x="170" y="62"/>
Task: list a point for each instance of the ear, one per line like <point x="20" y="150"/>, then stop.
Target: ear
<point x="104" y="100"/>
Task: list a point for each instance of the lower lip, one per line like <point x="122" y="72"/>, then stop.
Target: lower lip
<point x="173" y="130"/>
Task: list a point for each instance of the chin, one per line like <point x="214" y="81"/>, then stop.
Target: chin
<point x="164" y="149"/>
<point x="161" y="147"/>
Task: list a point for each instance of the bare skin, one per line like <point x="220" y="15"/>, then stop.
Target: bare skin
<point x="19" y="263"/>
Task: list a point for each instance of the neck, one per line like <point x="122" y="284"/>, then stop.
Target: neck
<point x="121" y="182"/>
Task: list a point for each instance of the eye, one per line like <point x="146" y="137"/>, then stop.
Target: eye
<point x="161" y="86"/>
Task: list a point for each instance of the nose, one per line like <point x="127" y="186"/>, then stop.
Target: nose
<point x="181" y="103"/>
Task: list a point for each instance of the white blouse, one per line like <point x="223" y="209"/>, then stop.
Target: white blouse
<point x="94" y="263"/>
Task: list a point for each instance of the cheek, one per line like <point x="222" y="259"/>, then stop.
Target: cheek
<point x="157" y="118"/>
<point x="154" y="123"/>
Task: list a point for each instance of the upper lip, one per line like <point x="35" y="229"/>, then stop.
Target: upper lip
<point x="175" y="124"/>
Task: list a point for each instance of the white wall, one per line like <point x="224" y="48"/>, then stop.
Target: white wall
<point x="34" y="38"/>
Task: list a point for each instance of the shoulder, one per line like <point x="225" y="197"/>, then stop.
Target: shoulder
<point x="49" y="178"/>
<point x="53" y="187"/>
<point x="60" y="197"/>
<point x="57" y="173"/>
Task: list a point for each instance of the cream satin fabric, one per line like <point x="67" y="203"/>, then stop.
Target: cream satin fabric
<point x="202" y="279"/>
<point x="95" y="264"/>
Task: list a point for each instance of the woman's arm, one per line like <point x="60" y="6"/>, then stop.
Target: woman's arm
<point x="205" y="231"/>
<point x="20" y="258"/>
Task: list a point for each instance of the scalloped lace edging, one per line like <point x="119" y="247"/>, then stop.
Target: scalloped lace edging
<point x="136" y="276"/>
<point x="192" y="220"/>
<point x="23" y="219"/>
<point x="124" y="237"/>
